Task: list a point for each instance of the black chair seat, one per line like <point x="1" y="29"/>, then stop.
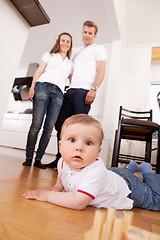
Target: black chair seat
<point x="140" y="123"/>
<point x="137" y="129"/>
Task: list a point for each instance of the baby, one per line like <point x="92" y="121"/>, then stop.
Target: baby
<point x="84" y="180"/>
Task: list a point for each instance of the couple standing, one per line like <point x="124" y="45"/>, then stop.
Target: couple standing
<point x="85" y="71"/>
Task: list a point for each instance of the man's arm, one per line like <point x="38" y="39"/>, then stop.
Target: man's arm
<point x="91" y="95"/>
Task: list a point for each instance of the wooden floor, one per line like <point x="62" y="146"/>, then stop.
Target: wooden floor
<point x="33" y="220"/>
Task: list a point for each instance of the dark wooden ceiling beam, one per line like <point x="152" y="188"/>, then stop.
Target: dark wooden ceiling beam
<point x="32" y="11"/>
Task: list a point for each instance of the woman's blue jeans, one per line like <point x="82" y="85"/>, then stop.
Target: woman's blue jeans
<point x="145" y="194"/>
<point x="47" y="103"/>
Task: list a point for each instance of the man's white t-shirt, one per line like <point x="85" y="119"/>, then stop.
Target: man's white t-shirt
<point x="106" y="188"/>
<point x="57" y="70"/>
<point x="85" y="66"/>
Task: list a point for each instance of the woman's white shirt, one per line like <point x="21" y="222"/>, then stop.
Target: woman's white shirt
<point x="57" y="70"/>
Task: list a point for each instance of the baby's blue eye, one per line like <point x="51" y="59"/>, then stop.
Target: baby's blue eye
<point x="89" y="143"/>
<point x="72" y="140"/>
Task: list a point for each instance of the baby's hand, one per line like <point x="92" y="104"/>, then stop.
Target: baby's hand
<point x="39" y="195"/>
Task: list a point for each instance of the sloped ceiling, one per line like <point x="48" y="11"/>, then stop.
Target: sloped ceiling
<point x="69" y="16"/>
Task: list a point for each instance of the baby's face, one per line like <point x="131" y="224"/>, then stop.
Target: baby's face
<point x="80" y="145"/>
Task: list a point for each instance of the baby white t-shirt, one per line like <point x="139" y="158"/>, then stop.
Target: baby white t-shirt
<point x="106" y="188"/>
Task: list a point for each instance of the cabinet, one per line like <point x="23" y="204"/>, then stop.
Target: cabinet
<point x="14" y="131"/>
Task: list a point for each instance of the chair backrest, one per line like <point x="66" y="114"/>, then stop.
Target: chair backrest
<point x="141" y="115"/>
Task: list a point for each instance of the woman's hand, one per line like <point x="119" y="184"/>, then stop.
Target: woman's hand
<point x="39" y="71"/>
<point x="31" y="94"/>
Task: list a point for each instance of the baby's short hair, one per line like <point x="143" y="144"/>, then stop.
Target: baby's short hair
<point x="84" y="119"/>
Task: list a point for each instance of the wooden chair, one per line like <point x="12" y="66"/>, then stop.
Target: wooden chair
<point x="136" y="126"/>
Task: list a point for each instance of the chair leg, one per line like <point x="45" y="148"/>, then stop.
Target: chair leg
<point x="148" y="150"/>
<point x="115" y="156"/>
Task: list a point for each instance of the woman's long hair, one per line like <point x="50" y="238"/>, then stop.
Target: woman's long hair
<point x="56" y="47"/>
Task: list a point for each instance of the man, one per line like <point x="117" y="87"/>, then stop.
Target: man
<point x="88" y="73"/>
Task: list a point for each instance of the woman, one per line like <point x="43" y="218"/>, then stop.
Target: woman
<point x="46" y="93"/>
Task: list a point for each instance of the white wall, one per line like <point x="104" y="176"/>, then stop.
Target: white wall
<point x="120" y="9"/>
<point x="134" y="75"/>
<point x="14" y="32"/>
<point x="143" y="21"/>
<point x="110" y="103"/>
<point x="98" y="106"/>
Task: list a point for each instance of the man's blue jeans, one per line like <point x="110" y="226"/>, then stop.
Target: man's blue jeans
<point x="145" y="194"/>
<point x="73" y="103"/>
<point x="47" y="103"/>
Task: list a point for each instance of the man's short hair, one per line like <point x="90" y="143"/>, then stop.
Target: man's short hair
<point x="91" y="24"/>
